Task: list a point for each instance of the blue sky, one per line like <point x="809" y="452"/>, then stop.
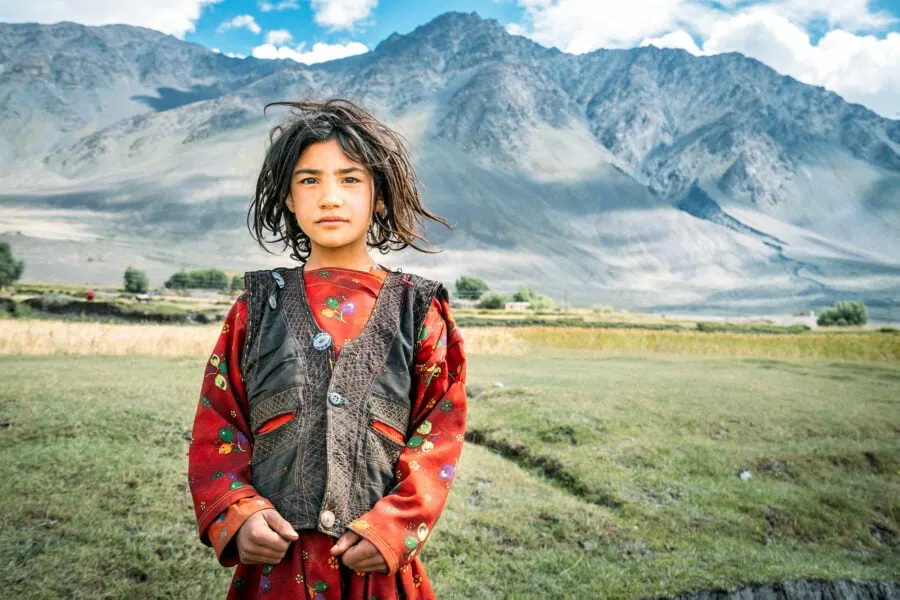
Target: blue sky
<point x="387" y="17"/>
<point x="851" y="47"/>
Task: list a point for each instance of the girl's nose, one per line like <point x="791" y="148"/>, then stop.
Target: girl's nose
<point x="330" y="194"/>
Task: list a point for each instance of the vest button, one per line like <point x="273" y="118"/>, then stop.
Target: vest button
<point x="321" y="341"/>
<point x="336" y="399"/>
<point x="273" y="303"/>
<point x="326" y="518"/>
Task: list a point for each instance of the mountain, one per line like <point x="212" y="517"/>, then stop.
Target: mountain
<point x="643" y="178"/>
<point x="71" y="79"/>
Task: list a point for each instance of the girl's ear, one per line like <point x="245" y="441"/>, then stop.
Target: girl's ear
<point x="379" y="206"/>
<point x="289" y="202"/>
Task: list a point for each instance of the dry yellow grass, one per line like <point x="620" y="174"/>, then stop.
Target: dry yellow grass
<point x="63" y="338"/>
<point x="38" y="337"/>
<point x="499" y="341"/>
<point x="68" y="338"/>
<point x="835" y="346"/>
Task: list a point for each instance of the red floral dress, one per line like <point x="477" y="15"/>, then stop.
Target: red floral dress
<point x="400" y="523"/>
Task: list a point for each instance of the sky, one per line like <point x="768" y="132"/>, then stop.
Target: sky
<point x="851" y="47"/>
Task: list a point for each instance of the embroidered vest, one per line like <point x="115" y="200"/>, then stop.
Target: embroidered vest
<point x="328" y="465"/>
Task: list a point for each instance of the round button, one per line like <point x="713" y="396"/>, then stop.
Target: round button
<point x="335" y="398"/>
<point x="273" y="303"/>
<point x="326" y="518"/>
<point x="321" y="341"/>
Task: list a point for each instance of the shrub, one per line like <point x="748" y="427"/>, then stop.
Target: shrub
<point x="709" y="326"/>
<point x="54" y="302"/>
<point x="135" y="281"/>
<point x="540" y="302"/>
<point x="493" y="300"/>
<point x="10" y="268"/>
<point x="209" y="279"/>
<point x="178" y="281"/>
<point x="470" y="288"/>
<point x="523" y="294"/>
<point x="237" y="283"/>
<point x="843" y="313"/>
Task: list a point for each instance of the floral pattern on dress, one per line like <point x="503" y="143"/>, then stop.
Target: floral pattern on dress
<point x="399" y="524"/>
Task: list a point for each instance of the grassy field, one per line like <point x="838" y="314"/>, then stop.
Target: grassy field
<point x="65" y="338"/>
<point x="590" y="473"/>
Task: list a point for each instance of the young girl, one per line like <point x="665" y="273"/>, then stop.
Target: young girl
<point x="333" y="408"/>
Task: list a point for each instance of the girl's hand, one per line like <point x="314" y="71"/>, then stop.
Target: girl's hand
<point x="359" y="553"/>
<point x="264" y="538"/>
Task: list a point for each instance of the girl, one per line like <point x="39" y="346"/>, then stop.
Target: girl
<point x="333" y="408"/>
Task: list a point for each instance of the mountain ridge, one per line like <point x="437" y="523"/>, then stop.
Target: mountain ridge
<point x="645" y="169"/>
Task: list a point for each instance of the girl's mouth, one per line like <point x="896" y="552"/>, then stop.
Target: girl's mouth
<point x="331" y="222"/>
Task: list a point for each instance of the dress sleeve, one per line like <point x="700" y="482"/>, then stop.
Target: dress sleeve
<point x="400" y="522"/>
<point x="220" y="449"/>
<point x="222" y="530"/>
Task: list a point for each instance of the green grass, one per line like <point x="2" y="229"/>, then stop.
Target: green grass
<point x="589" y="476"/>
<point x="60" y="307"/>
<point x="530" y="321"/>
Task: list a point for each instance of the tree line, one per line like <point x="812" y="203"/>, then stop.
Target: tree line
<point x="470" y="288"/>
<point x="204" y="279"/>
<point x="843" y="313"/>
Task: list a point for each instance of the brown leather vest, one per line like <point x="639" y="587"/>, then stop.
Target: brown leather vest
<point x="328" y="465"/>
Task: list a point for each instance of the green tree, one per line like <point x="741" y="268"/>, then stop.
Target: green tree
<point x="540" y="302"/>
<point x="179" y="281"/>
<point x="207" y="279"/>
<point x="470" y="288"/>
<point x="843" y="313"/>
<point x="135" y="281"/>
<point x="10" y="268"/>
<point x="492" y="300"/>
<point x="523" y="294"/>
<point x="237" y="283"/>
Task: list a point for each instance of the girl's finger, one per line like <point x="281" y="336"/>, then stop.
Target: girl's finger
<point x="367" y="564"/>
<point x="345" y="542"/>
<point x="261" y="555"/>
<point x="361" y="551"/>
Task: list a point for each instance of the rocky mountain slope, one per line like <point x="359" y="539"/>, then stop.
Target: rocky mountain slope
<point x="641" y="178"/>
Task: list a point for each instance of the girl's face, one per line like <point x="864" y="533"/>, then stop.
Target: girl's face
<point x="331" y="197"/>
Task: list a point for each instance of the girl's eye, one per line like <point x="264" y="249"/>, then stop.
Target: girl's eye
<point x="313" y="179"/>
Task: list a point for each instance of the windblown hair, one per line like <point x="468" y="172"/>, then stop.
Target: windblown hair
<point x="364" y="140"/>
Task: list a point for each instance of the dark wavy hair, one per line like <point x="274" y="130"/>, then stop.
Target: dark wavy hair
<point x="363" y="139"/>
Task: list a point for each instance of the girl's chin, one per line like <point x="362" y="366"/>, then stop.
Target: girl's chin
<point x="331" y="241"/>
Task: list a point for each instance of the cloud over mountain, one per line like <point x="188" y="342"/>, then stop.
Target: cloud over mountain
<point x="642" y="177"/>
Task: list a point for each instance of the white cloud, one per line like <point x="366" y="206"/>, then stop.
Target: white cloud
<point x="246" y="21"/>
<point x="861" y="68"/>
<point x="578" y="26"/>
<point x="320" y="52"/>
<point x="229" y="54"/>
<point x="283" y="5"/>
<point x="278" y="37"/>
<point x="853" y="15"/>
<point x="341" y="14"/>
<point x="175" y="17"/>
<point x="676" y="39"/>
<point x="516" y="29"/>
